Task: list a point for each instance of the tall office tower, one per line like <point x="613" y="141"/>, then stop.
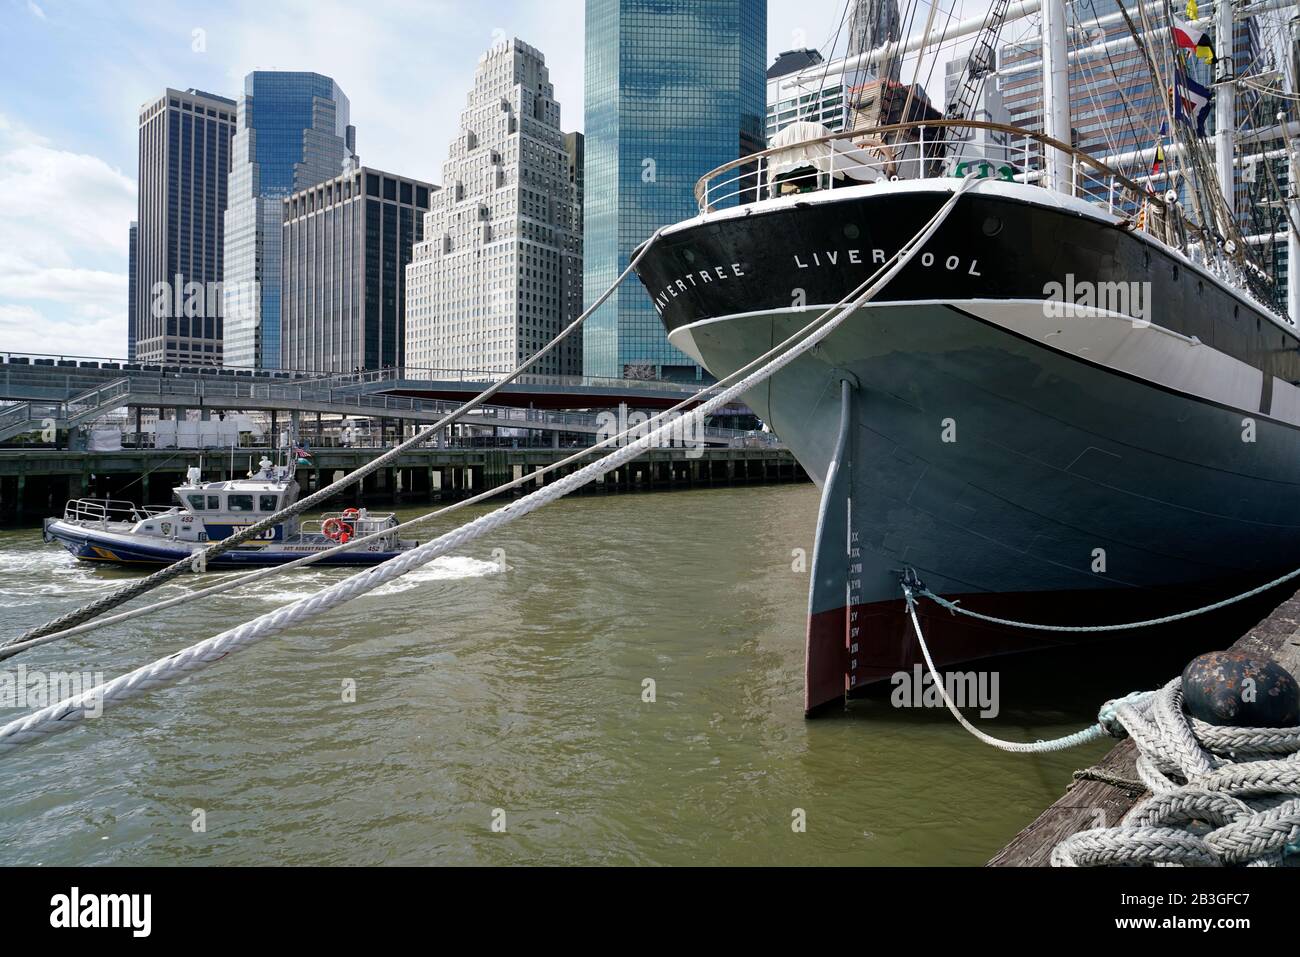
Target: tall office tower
<point x="574" y="147"/>
<point x="346" y="244"/>
<point x="792" y="98"/>
<point x="674" y="88"/>
<point x="184" y="142"/>
<point x="134" y="234"/>
<point x="489" y="284"/>
<point x="293" y="133"/>
<point x="874" y="23"/>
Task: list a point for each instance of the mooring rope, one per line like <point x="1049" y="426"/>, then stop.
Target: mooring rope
<point x="1220" y="795"/>
<point x="70" y="712"/>
<point x="20" y="645"/>
<point x="1085" y="736"/>
<point x="956" y="607"/>
<point x="162" y="576"/>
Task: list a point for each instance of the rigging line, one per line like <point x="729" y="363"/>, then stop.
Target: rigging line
<point x="893" y="48"/>
<point x="1224" y="206"/>
<point x="231" y="584"/>
<point x="830" y="55"/>
<point x="1183" y="135"/>
<point x="920" y="57"/>
<point x="1268" y="90"/>
<point x="995" y="66"/>
<point x="1161" y="86"/>
<point x="1089" y="84"/>
<point x="215" y="550"/>
<point x="950" y="19"/>
<point x="979" y="88"/>
<point x="1259" y="105"/>
<point x="983" y="81"/>
<point x="165" y="462"/>
<point x="1151" y="129"/>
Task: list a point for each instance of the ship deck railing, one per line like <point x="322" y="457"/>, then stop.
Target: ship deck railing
<point x="106" y="511"/>
<point x="373" y="522"/>
<point x="939" y="149"/>
<point x="923" y="150"/>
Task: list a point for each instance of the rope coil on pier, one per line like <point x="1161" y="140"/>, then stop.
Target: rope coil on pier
<point x="1220" y="795"/>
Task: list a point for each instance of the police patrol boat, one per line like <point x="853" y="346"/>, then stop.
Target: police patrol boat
<point x="106" y="530"/>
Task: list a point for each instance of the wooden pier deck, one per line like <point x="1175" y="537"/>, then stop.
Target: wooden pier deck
<point x="1276" y="637"/>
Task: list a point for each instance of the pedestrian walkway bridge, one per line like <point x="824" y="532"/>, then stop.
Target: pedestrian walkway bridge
<point x="47" y="396"/>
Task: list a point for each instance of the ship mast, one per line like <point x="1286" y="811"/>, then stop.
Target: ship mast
<point x="1056" y="92"/>
<point x="1225" y="105"/>
<point x="1292" y="237"/>
<point x="1292" y="84"/>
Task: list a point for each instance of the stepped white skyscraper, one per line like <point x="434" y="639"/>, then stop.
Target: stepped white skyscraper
<point x="497" y="273"/>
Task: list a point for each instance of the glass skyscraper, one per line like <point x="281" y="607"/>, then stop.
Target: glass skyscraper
<point x="674" y="88"/>
<point x="292" y="133"/>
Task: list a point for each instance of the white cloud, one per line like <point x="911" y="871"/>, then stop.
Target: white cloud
<point x="35" y="10"/>
<point x="24" y="329"/>
<point x="64" y="216"/>
<point x="88" y="288"/>
<point x="66" y="201"/>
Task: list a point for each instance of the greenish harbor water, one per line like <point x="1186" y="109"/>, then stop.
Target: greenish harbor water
<point x="484" y="695"/>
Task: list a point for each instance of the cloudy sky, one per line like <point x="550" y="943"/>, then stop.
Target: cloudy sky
<point x="73" y="74"/>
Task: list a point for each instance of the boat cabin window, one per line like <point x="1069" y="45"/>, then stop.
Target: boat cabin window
<point x="268" y="503"/>
<point x="196" y="502"/>
<point x="239" y="503"/>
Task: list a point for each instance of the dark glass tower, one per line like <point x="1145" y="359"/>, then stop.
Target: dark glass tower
<point x="674" y="88"/>
<point x="130" y="291"/>
<point x="184" y="157"/>
<point x="345" y="248"/>
<point x="293" y="133"/>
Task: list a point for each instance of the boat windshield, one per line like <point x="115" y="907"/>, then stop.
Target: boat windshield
<point x="197" y="502"/>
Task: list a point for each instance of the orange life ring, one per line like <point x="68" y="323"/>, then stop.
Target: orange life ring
<point x="351" y="513"/>
<point x="333" y="529"/>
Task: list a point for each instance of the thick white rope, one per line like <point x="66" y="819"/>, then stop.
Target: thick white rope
<point x="1221" y="795"/>
<point x="1085" y="736"/>
<point x="122" y="595"/>
<point x="70" y="712"/>
<point x="17" y="647"/>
